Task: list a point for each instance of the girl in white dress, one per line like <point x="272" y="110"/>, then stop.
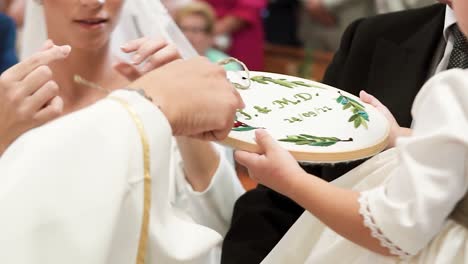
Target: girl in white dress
<point x="406" y="205"/>
<point x="84" y="205"/>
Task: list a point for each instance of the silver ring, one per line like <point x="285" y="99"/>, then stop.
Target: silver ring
<point x="246" y="70"/>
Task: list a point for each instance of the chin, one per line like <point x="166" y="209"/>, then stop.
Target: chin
<point x="91" y="44"/>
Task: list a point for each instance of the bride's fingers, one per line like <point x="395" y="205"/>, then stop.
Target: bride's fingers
<point x="51" y="111"/>
<point x="35" y="80"/>
<point x="164" y="56"/>
<point x="19" y="71"/>
<point x="133" y="45"/>
<point x="147" y="49"/>
<point x="129" y="71"/>
<point x="45" y="94"/>
<point x="47" y="45"/>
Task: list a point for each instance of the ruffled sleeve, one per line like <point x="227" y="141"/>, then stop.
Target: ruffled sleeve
<point x="411" y="208"/>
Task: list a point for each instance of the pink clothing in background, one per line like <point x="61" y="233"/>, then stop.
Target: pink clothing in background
<point x="247" y="43"/>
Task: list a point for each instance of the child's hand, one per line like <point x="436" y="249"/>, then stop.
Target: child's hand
<point x="274" y="167"/>
<point x="395" y="129"/>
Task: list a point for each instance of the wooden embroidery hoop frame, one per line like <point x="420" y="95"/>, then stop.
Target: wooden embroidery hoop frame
<point x="305" y="156"/>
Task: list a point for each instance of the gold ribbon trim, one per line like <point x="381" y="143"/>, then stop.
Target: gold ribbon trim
<point x="144" y="232"/>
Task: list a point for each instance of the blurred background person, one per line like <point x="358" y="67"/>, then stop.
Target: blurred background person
<point x="324" y="21"/>
<point x="173" y="5"/>
<point x="387" y="6"/>
<point x="241" y="21"/>
<point x="7" y="43"/>
<point x="14" y="9"/>
<point x="197" y="21"/>
<point x="281" y="22"/>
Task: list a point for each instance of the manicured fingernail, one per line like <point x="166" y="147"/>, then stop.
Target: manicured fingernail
<point x="65" y="49"/>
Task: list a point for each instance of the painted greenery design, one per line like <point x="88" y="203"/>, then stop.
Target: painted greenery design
<point x="360" y="117"/>
<point x="304" y="139"/>
<point x="242" y="127"/>
<point x="282" y="82"/>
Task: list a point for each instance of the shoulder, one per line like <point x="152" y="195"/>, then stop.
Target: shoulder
<point x="216" y="54"/>
<point x="442" y="106"/>
<point x="6" y="23"/>
<point x="446" y="88"/>
<point x="398" y="26"/>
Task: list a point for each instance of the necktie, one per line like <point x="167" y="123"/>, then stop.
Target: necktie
<point x="459" y="56"/>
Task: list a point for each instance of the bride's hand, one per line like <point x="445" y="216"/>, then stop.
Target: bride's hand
<point x="202" y="104"/>
<point x="148" y="54"/>
<point x="28" y="94"/>
<point x="395" y="129"/>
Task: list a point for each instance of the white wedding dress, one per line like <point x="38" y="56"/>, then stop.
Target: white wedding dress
<point x="72" y="192"/>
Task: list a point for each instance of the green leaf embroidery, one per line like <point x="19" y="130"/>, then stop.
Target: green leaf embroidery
<point x="305" y="139"/>
<point x="323" y="144"/>
<point x="353" y="117"/>
<point x="357" y="122"/>
<point x="283" y="82"/>
<point x="243" y="129"/>
<point x="348" y="105"/>
<point x="360" y="117"/>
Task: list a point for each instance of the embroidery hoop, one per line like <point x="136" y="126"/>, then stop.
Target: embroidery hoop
<point x="324" y="146"/>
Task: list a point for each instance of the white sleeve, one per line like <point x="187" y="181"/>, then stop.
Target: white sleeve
<point x="67" y="187"/>
<point x="212" y="208"/>
<point x="411" y="208"/>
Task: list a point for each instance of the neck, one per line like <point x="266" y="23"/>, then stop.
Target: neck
<point x="93" y="65"/>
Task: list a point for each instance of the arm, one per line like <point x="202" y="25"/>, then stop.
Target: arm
<point x="57" y="175"/>
<point x="404" y="212"/>
<point x="278" y="170"/>
<point x="29" y="95"/>
<point x="211" y="206"/>
<point x="243" y="14"/>
<point x="201" y="161"/>
<point x="229" y="24"/>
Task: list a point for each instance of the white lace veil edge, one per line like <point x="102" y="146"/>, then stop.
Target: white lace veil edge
<point x="139" y="18"/>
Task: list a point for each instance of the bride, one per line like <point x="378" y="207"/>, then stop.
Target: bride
<point x="86" y="206"/>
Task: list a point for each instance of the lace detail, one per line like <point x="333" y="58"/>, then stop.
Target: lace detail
<point x="370" y="223"/>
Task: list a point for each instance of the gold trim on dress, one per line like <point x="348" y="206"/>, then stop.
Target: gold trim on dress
<point x="144" y="232"/>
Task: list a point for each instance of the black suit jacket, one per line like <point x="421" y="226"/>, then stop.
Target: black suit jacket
<point x="389" y="56"/>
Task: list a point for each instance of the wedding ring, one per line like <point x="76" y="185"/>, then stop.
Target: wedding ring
<point x="246" y="71"/>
